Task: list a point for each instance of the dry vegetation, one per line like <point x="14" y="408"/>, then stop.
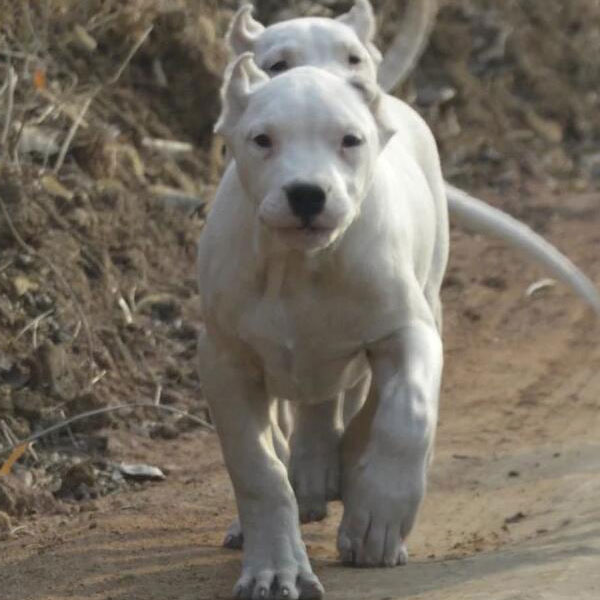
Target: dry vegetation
<point x="99" y="216"/>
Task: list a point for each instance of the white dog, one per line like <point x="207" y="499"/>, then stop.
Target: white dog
<point x="321" y="263"/>
<point x="345" y="46"/>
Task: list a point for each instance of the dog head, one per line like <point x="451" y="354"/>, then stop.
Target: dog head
<point x="343" y="45"/>
<point x="305" y="146"/>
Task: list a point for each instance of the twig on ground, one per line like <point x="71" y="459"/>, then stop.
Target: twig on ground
<point x="34" y="323"/>
<point x="14" y="440"/>
<point x="157" y="394"/>
<point x="99" y="411"/>
<point x="69" y="430"/>
<point x="62" y="107"/>
<point x="98" y="377"/>
<point x="72" y="131"/>
<point x="167" y="146"/>
<point x="10" y="102"/>
<point x="129" y="56"/>
<point x="124" y="307"/>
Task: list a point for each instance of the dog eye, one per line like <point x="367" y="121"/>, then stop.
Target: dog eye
<point x="262" y="140"/>
<point x="353" y="59"/>
<point x="279" y="66"/>
<point x="351" y="141"/>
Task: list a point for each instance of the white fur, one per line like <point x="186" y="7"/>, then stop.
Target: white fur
<point x="308" y="321"/>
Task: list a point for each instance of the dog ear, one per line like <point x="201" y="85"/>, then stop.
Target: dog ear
<point x="242" y="77"/>
<point x="244" y="30"/>
<point x="361" y="18"/>
<point x="373" y="96"/>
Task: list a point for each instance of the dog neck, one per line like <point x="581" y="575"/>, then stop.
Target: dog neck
<point x="277" y="263"/>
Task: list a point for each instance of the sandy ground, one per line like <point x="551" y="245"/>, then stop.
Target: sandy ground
<point x="512" y="511"/>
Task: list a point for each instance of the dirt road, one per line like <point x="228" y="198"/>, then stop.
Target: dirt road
<point x="513" y="509"/>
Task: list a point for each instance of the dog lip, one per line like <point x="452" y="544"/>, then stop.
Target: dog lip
<point x="314" y="228"/>
<point x="306" y="228"/>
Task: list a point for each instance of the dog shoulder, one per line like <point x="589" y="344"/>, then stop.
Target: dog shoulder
<point x="227" y="234"/>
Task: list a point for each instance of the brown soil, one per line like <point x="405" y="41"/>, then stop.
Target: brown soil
<point x="512" y="510"/>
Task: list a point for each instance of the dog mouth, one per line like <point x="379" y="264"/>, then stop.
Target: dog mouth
<point x="306" y="236"/>
<point x="310" y="228"/>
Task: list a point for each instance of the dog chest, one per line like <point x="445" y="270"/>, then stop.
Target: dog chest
<point x="306" y="355"/>
<point x="311" y="331"/>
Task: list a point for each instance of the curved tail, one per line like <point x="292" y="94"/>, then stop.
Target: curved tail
<point x="483" y="218"/>
<point x="408" y="44"/>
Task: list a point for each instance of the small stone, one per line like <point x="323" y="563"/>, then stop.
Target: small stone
<point x="75" y="478"/>
<point x="22" y="285"/>
<point x="44" y="301"/>
<point x="141" y="472"/>
<point x="24" y="261"/>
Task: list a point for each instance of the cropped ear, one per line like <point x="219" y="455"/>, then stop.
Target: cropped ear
<point x="361" y="18"/>
<point x="243" y="31"/>
<point x="373" y="96"/>
<point x="242" y="77"/>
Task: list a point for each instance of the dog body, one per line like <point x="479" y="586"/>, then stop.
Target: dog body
<point x="320" y="264"/>
<point x="307" y="318"/>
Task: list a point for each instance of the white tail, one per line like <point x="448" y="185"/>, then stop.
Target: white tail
<point x="483" y="218"/>
<point x="409" y="43"/>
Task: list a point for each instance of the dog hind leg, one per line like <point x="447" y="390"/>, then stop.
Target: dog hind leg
<point x="314" y="469"/>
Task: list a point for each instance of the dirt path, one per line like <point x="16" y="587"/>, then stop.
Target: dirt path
<point x="512" y="511"/>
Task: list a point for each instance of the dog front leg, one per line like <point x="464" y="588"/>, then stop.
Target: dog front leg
<point x="275" y="563"/>
<point x="387" y="447"/>
<point x="280" y="417"/>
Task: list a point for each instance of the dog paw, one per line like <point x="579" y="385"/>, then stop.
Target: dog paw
<point x="314" y="472"/>
<point x="380" y="506"/>
<point x="234" y="537"/>
<point x="365" y="540"/>
<point x="278" y="585"/>
<point x="275" y="562"/>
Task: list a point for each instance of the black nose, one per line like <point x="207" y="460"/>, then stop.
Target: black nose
<point x="306" y="200"/>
